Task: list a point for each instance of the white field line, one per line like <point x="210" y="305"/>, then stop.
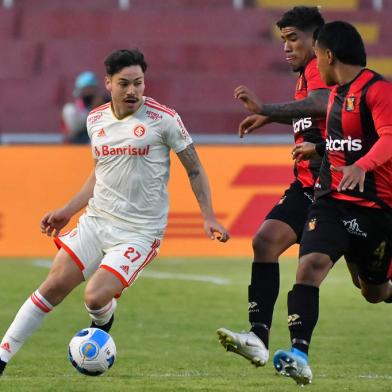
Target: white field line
<point x="376" y="376"/>
<point x="162" y="275"/>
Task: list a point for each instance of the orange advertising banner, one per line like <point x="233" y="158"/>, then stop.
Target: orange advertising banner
<point x="245" y="182"/>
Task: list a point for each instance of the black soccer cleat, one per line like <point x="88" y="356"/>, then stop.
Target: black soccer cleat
<point x="2" y="367"/>
<point x="106" y="327"/>
<point x="389" y="300"/>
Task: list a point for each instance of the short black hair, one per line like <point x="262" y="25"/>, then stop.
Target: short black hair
<point x="122" y="58"/>
<point x="344" y="41"/>
<point x="303" y="18"/>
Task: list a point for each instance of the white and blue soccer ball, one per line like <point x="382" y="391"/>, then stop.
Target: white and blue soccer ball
<point x="92" y="351"/>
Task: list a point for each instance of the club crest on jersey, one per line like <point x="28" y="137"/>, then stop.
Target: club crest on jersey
<point x="139" y="131"/>
<point x="312" y="224"/>
<point x="350" y="103"/>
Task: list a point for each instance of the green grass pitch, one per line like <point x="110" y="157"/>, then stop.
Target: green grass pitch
<point x="165" y="331"/>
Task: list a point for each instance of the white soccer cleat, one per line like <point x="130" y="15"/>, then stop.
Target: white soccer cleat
<point x="289" y="364"/>
<point x="246" y="344"/>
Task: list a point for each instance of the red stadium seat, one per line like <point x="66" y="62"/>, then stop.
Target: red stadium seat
<point x="198" y="51"/>
<point x="8" y="23"/>
<point x="20" y="59"/>
<point x="30" y="105"/>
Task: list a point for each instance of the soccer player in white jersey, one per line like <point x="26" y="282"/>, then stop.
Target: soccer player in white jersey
<point x="127" y="203"/>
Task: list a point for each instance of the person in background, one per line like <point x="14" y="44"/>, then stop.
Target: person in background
<point x="87" y="96"/>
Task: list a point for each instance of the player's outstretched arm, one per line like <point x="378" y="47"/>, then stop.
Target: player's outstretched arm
<point x="314" y="105"/>
<point x="252" y="122"/>
<point x="54" y="221"/>
<point x="201" y="189"/>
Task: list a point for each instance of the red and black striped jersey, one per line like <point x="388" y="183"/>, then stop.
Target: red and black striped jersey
<point x="308" y="129"/>
<point x="359" y="116"/>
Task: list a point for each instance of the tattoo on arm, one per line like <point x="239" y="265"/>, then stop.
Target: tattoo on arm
<point x="190" y="161"/>
<point x="197" y="178"/>
<point x="314" y="105"/>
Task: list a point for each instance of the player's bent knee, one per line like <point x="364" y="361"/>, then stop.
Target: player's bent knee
<point x="97" y="298"/>
<point x="313" y="268"/>
<point x="266" y="244"/>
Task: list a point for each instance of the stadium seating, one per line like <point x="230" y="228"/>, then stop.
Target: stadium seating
<point x="198" y="51"/>
<point x="8" y="23"/>
<point x="346" y="5"/>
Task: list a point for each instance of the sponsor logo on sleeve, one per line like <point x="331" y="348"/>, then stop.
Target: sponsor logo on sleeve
<point x="302" y="124"/>
<point x="94" y="118"/>
<point x="153" y="115"/>
<point x="183" y="130"/>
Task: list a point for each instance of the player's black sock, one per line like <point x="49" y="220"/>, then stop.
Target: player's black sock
<point x="262" y="294"/>
<point x="2" y="366"/>
<point x="303" y="310"/>
<point x="106" y="327"/>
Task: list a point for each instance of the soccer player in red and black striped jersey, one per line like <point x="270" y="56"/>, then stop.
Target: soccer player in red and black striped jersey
<point x="352" y="214"/>
<point x="284" y="224"/>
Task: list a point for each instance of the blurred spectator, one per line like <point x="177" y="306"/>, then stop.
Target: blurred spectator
<point x="87" y="96"/>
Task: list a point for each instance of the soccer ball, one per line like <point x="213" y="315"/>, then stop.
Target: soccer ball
<point x="92" y="351"/>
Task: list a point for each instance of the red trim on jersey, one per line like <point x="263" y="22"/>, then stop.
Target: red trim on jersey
<point x="102" y="107"/>
<point x="313" y="77"/>
<point x="147" y="260"/>
<point x="357" y="200"/>
<point x="154" y="102"/>
<point x="60" y="244"/>
<point x="115" y="273"/>
<point x="389" y="274"/>
<point x="37" y="302"/>
<point x="160" y="108"/>
<point x="307" y="128"/>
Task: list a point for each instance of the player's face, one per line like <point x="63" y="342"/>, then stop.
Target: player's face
<point x="298" y="47"/>
<point x="126" y="88"/>
<point x="324" y="65"/>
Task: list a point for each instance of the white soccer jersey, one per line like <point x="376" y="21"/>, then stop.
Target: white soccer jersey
<point x="133" y="163"/>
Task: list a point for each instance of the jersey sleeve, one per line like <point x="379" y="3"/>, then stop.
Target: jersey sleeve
<point x="313" y="78"/>
<point x="88" y="125"/>
<point x="378" y="99"/>
<point x="176" y="136"/>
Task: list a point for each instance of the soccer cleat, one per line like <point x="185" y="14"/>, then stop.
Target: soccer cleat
<point x="246" y="344"/>
<point x="106" y="327"/>
<point x="2" y="367"/>
<point x="293" y="364"/>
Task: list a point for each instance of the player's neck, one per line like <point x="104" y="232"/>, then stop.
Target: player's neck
<point x="346" y="73"/>
<point x="120" y="114"/>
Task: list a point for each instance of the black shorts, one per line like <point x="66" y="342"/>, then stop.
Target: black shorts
<point x="362" y="235"/>
<point x="293" y="207"/>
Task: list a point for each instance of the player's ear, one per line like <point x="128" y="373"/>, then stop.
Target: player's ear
<point x="108" y="83"/>
<point x="330" y="56"/>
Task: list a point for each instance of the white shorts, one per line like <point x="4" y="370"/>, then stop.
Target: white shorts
<point x="96" y="243"/>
